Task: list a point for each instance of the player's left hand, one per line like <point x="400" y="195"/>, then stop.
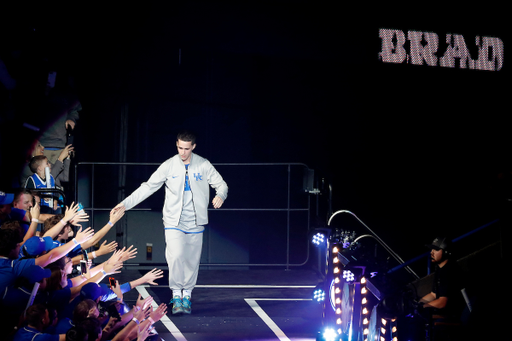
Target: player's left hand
<point x="217" y="202"/>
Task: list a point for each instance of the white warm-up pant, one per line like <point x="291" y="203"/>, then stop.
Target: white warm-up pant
<point x="183" y="254"/>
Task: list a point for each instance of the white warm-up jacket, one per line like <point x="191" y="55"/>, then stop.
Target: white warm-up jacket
<point x="171" y="173"/>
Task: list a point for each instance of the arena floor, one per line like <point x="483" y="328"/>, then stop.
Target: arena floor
<point x="239" y="305"/>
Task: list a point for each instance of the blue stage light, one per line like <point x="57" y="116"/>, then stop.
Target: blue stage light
<point x="318" y="239"/>
<point x="348" y="276"/>
<point x="330" y="334"/>
<point x="318" y="295"/>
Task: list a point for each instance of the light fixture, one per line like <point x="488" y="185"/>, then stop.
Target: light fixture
<point x="318" y="239"/>
<point x="348" y="276"/>
<point x="318" y="295"/>
<point x="329" y="334"/>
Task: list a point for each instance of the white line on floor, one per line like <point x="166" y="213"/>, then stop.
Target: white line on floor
<point x="165" y="320"/>
<point x="268" y="321"/>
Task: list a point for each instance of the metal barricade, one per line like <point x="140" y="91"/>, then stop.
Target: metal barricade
<point x="283" y="212"/>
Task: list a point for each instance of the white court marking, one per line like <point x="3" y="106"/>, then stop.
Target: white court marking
<point x="264" y="316"/>
<point x="250" y="301"/>
<point x="171" y="327"/>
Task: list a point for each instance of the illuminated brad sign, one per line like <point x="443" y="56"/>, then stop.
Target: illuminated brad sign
<point x="419" y="48"/>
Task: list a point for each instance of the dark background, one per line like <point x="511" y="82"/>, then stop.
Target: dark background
<point x="412" y="150"/>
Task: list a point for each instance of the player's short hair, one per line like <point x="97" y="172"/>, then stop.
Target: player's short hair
<point x="186" y="136"/>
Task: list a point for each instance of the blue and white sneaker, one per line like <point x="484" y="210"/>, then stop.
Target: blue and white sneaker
<point x="187" y="305"/>
<point x="177" y="305"/>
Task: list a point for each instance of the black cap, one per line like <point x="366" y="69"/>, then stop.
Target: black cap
<point x="439" y="243"/>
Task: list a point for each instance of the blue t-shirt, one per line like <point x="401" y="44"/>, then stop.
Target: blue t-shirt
<point x="10" y="269"/>
<point x="31" y="334"/>
<point x="18" y="215"/>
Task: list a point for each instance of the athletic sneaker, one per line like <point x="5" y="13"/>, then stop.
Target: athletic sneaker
<point x="187" y="305"/>
<point x="177" y="305"/>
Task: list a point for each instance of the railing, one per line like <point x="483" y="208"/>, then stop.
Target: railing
<point x="427" y="254"/>
<point x="288" y="209"/>
<point x="405" y="264"/>
<point x="51" y="193"/>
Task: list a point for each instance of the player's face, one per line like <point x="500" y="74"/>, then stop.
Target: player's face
<point x="185" y="150"/>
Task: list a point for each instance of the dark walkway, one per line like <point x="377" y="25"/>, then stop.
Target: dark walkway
<point x="240" y="305"/>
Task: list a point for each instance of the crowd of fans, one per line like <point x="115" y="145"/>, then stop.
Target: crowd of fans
<point x="49" y="288"/>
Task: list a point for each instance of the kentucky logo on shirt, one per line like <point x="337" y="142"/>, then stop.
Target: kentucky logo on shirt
<point x="198" y="176"/>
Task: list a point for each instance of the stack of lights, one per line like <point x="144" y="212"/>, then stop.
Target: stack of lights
<point x="319" y="295"/>
<point x="336" y="290"/>
<point x="394" y="330"/>
<point x="329" y="335"/>
<point x="348" y="276"/>
<point x="364" y="310"/>
<point x="318" y="239"/>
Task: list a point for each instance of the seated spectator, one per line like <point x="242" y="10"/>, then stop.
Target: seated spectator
<point x="38" y="180"/>
<point x="59" y="168"/>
